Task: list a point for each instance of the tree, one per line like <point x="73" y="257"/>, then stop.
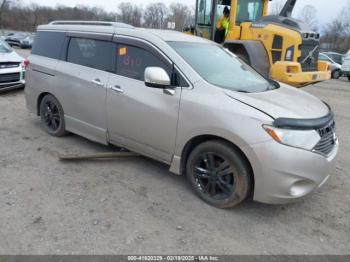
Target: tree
<point x="155" y="15"/>
<point x="276" y="7"/>
<point x="181" y="15"/>
<point x="308" y="15"/>
<point x="130" y="14"/>
<point x="4" y="5"/>
<point x="337" y="33"/>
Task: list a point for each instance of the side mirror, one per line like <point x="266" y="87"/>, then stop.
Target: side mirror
<point x="157" y="77"/>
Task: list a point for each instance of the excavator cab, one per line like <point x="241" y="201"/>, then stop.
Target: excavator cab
<point x="277" y="46"/>
<point x="241" y="11"/>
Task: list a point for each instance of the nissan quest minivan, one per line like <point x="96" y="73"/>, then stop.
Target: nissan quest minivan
<point x="184" y="101"/>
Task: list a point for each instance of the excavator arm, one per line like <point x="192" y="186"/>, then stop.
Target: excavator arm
<point x="288" y="8"/>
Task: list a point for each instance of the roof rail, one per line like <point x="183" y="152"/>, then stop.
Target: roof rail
<point x="93" y="23"/>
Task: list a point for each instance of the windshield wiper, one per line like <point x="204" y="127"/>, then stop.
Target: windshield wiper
<point x="242" y="91"/>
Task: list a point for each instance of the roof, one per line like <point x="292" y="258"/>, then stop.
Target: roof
<point x="122" y="29"/>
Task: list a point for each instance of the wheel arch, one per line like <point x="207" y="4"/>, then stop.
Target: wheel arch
<point x="256" y="52"/>
<point x="197" y="140"/>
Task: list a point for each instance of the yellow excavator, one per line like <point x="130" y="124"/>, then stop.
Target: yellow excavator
<point x="277" y="46"/>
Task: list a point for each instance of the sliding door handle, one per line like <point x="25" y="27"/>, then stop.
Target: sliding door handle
<point x="118" y="89"/>
<point x="97" y="82"/>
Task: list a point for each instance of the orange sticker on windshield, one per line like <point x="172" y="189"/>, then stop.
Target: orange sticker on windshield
<point x="122" y="51"/>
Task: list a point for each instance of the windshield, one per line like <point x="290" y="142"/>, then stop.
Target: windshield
<point x="4" y="47"/>
<point x="249" y="10"/>
<point x="221" y="68"/>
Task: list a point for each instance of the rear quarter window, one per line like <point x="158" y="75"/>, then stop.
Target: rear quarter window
<point x="48" y="44"/>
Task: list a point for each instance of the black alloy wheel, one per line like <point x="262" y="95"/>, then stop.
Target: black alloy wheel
<point x="219" y="173"/>
<point x="214" y="176"/>
<point x="52" y="116"/>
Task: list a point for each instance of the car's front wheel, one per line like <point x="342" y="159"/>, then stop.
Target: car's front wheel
<point x="52" y="116"/>
<point x="219" y="174"/>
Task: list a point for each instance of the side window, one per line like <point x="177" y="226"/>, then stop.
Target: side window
<point x="178" y="80"/>
<point x="48" y="44"/>
<point x="132" y="62"/>
<point x="323" y="58"/>
<point x="91" y="53"/>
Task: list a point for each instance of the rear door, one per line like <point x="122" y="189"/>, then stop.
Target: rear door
<point x="84" y="76"/>
<point x="142" y="118"/>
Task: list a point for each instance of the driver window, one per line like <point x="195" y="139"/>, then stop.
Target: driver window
<point x="133" y="61"/>
<point x="204" y="10"/>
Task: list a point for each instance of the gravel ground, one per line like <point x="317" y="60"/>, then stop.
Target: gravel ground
<point x="136" y="206"/>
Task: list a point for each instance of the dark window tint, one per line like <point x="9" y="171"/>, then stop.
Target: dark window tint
<point x="132" y="62"/>
<point x="91" y="53"/>
<point x="48" y="44"/>
<point x="178" y="80"/>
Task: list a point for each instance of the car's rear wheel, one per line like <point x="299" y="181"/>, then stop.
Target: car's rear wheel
<point x="219" y="174"/>
<point x="336" y="74"/>
<point x="52" y="116"/>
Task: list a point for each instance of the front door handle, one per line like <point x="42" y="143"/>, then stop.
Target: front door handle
<point x="118" y="89"/>
<point x="97" y="82"/>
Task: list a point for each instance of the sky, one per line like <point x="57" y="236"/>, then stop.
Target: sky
<point x="326" y="10"/>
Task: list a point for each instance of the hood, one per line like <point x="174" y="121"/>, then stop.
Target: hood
<point x="10" y="57"/>
<point x="284" y="102"/>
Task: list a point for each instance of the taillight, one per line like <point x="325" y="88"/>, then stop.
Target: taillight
<point x="289" y="69"/>
<point x="25" y="63"/>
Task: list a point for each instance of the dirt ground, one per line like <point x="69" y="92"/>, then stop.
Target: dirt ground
<point x="135" y="206"/>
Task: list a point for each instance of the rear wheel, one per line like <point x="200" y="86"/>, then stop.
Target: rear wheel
<point x="219" y="174"/>
<point x="336" y="74"/>
<point x="349" y="78"/>
<point x="52" y="116"/>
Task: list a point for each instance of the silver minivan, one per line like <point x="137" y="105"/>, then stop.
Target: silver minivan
<point x="184" y="101"/>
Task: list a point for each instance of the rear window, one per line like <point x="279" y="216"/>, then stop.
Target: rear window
<point x="91" y="53"/>
<point x="48" y="44"/>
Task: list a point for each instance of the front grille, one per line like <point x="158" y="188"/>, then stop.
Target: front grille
<point x="328" y="139"/>
<point x="8" y="78"/>
<point x="4" y="65"/>
<point x="309" y="55"/>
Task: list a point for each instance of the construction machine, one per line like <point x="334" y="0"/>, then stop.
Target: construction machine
<point x="277" y="46"/>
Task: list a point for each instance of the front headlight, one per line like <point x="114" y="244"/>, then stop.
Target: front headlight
<point x="305" y="139"/>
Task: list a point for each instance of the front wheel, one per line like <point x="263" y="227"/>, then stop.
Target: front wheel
<point x="52" y="116"/>
<point x="219" y="174"/>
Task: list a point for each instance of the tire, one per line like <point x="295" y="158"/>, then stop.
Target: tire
<point x="336" y="74"/>
<point x="52" y="116"/>
<point x="349" y="78"/>
<point x="219" y="174"/>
